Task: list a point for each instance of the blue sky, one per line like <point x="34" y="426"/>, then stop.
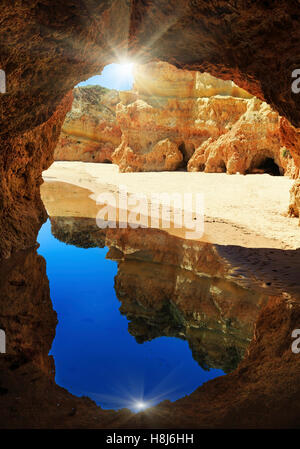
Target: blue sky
<point x="114" y="76"/>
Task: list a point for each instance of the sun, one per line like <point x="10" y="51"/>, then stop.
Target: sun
<point x="140" y="405"/>
<point x="125" y="69"/>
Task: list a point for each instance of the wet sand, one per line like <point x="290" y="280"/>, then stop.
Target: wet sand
<point x="249" y="211"/>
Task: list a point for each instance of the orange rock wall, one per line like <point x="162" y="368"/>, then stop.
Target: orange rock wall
<point x="22" y="160"/>
<point x="90" y="132"/>
<point x="175" y="118"/>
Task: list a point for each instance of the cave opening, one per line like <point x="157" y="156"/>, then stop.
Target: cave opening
<point x="221" y="167"/>
<point x="48" y="48"/>
<point x="269" y="166"/>
<point x="187" y="150"/>
<point x="266" y="165"/>
<point x="118" y="76"/>
<point x="183" y="165"/>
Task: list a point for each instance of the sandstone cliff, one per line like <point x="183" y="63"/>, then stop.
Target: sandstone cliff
<point x="178" y="118"/>
<point x="169" y="114"/>
<point x="22" y="160"/>
<point x="90" y="132"/>
<point x="250" y="145"/>
<point x="174" y="119"/>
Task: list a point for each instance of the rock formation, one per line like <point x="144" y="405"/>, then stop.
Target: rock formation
<point x="170" y="113"/>
<point x="291" y="137"/>
<point x="180" y="118"/>
<point x="294" y="208"/>
<point x="250" y="145"/>
<point x="90" y="132"/>
<point x="24" y="292"/>
<point x="22" y="160"/>
<point x="172" y="119"/>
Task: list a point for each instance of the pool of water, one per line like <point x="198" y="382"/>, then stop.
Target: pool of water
<point x="94" y="353"/>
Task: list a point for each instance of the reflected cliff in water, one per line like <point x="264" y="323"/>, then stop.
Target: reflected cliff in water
<point x="175" y="288"/>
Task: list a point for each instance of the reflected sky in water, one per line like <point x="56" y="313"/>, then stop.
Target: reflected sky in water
<point x="94" y="353"/>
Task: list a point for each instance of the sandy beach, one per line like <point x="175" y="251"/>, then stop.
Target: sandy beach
<point x="249" y="211"/>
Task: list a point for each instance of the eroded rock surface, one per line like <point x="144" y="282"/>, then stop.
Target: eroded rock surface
<point x="172" y="119"/>
<point x="170" y="114"/>
<point x="90" y="132"/>
<point x="250" y="145"/>
<point x="22" y="160"/>
<point x="294" y="208"/>
<point x="179" y="118"/>
<point x="291" y="136"/>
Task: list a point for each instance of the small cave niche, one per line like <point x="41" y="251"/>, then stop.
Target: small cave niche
<point x="187" y="151"/>
<point x="269" y="166"/>
<point x="221" y="167"/>
<point x="182" y="149"/>
<point x="265" y="164"/>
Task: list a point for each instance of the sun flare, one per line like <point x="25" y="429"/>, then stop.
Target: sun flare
<point x="125" y="69"/>
<point x="140" y="405"/>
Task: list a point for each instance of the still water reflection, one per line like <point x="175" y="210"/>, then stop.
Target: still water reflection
<point x="94" y="353"/>
<point x="181" y="321"/>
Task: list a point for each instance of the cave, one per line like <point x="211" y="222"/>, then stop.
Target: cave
<point x="269" y="166"/>
<point x="48" y="48"/>
<point x="183" y="150"/>
<point x="221" y="168"/>
<point x="264" y="162"/>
